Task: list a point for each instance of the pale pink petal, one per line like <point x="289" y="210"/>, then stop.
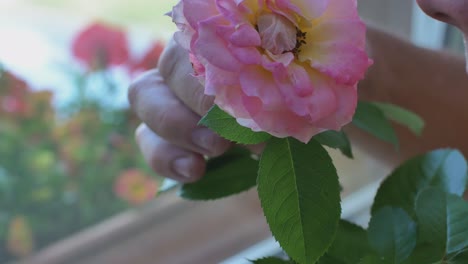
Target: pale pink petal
<point x="278" y="122"/>
<point x="229" y="98"/>
<point x="322" y="103"/>
<point x="340" y="9"/>
<point x="245" y="36"/>
<point x="346" y="106"/>
<point x="217" y="78"/>
<point x="247" y="55"/>
<point x="192" y="8"/>
<point x="236" y="13"/>
<point x="344" y="63"/>
<point x="185" y="35"/>
<point x="213" y="48"/>
<point x="258" y="82"/>
<point x="277" y="33"/>
<point x="351" y="32"/>
<point x="295" y="87"/>
<point x="285" y="9"/>
<point x="310" y="9"/>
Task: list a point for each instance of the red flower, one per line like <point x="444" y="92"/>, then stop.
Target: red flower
<point x="100" y="46"/>
<point x="150" y="59"/>
<point x="13" y="94"/>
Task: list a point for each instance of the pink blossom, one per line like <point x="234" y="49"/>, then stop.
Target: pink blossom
<point x="286" y="67"/>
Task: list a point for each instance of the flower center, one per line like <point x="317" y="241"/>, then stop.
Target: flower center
<point x="277" y="33"/>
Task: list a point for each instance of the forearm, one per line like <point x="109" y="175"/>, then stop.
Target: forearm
<point x="432" y="84"/>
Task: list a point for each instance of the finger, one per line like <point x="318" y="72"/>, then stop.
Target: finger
<point x="169" y="160"/>
<point x="156" y="105"/>
<point x="177" y="71"/>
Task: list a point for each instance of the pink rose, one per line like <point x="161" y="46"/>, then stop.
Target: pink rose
<point x="286" y="67"/>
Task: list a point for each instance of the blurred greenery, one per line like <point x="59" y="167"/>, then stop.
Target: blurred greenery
<point x="62" y="170"/>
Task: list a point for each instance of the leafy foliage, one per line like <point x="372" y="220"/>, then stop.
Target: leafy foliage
<point x="402" y="116"/>
<point x="336" y="140"/>
<point x="227" y="127"/>
<point x="299" y="191"/>
<point x="445" y="168"/>
<point x="371" y="119"/>
<point x="272" y="260"/>
<point x="418" y="215"/>
<point x="443" y="220"/>
<point x="392" y="233"/>
<point x="229" y="174"/>
<point x="341" y="250"/>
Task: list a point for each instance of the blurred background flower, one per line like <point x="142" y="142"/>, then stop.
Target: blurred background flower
<point x="20" y="238"/>
<point x="100" y="46"/>
<point x="135" y="187"/>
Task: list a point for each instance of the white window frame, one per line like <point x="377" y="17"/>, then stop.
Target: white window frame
<point x="426" y="31"/>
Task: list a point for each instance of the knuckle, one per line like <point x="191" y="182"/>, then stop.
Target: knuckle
<point x="170" y="59"/>
<point x="163" y="120"/>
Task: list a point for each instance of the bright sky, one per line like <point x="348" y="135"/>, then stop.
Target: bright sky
<point x="35" y="35"/>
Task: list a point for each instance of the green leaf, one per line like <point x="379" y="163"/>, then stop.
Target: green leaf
<point x="445" y="168"/>
<point x="402" y="116"/>
<point x="336" y="140"/>
<point x="350" y="244"/>
<point x="300" y="195"/>
<point x="232" y="173"/>
<point x="392" y="233"/>
<point x="460" y="257"/>
<point x="373" y="259"/>
<point x="272" y="260"/>
<point x="425" y="253"/>
<point x="443" y="220"/>
<point x="328" y="259"/>
<point x="227" y="127"/>
<point x="370" y="118"/>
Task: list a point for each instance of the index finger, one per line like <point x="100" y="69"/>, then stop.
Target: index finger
<point x="178" y="74"/>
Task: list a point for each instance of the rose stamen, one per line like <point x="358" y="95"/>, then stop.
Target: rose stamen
<point x="300" y="40"/>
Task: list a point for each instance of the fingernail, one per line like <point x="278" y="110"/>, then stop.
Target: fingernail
<point x="183" y="166"/>
<point x="205" y="139"/>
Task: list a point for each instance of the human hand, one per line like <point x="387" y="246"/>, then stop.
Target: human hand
<point x="170" y="102"/>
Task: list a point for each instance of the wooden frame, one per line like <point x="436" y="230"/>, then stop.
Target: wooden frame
<point x="170" y="230"/>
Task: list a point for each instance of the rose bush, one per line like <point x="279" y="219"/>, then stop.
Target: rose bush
<point x="286" y="67"/>
<point x="52" y="155"/>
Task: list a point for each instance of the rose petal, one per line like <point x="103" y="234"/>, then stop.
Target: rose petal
<point x="216" y="79"/>
<point x="245" y="36"/>
<point x="344" y="63"/>
<point x="340" y="9"/>
<point x="351" y="32"/>
<point x="194" y="18"/>
<point x="258" y="82"/>
<point x="213" y="48"/>
<point x="309" y="9"/>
